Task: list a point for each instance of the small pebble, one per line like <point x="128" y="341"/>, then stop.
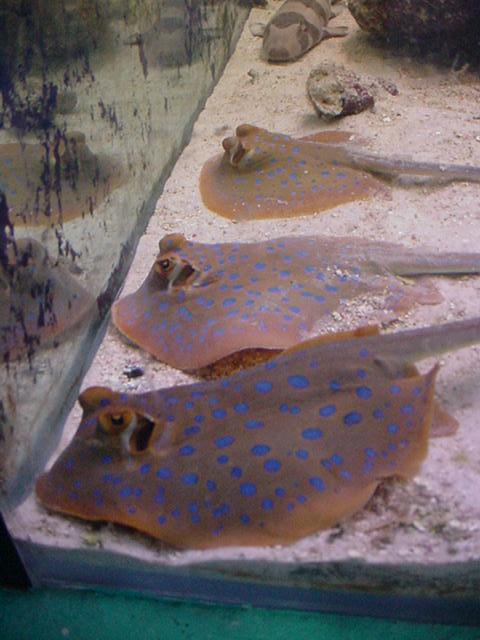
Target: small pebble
<point x="133" y="372"/>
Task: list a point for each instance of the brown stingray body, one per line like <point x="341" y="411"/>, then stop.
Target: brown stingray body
<point x="202" y="302"/>
<point x="263" y="457"/>
<point x="40" y="301"/>
<point x="55" y="182"/>
<point x="270" y="175"/>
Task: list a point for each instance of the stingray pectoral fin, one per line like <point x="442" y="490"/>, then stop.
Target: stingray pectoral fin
<point x="443" y="424"/>
<point x="328" y="137"/>
<point x="335" y="32"/>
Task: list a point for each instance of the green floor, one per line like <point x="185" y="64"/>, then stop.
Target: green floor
<point x="79" y="615"/>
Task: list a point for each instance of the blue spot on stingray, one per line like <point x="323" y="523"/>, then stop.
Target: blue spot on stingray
<point x="354" y="417"/>
<point x="294" y="411"/>
<point x="335" y="385"/>
<point x="310" y="269"/>
<point x="260" y="449"/>
<point x="298" y="381"/>
<point x="211" y="485"/>
<point x="325" y="174"/>
<point x="161" y="519"/>
<point x="225" y="441"/>
<point x="222" y="510"/>
<point x="301" y="499"/>
<point x="363" y="353"/>
<point x="222" y="459"/>
<point x="248" y="489"/>
<point x="163" y="306"/>
<point x="145" y="468"/>
<point x="241" y="407"/>
<point x="280" y="492"/>
<point x="267" y="504"/>
<point x="236" y="472"/>
<point x="219" y="414"/>
<point x="264" y="386"/>
<point x="271" y="365"/>
<point x="260" y="266"/>
<point x="416" y="391"/>
<point x="328" y="410"/>
<point x="254" y="424"/>
<point x="392" y="428"/>
<point x="229" y="302"/>
<point x="370" y="453"/>
<point x="105" y="460"/>
<point x="317" y="483"/>
<point x="175" y="512"/>
<point x="361" y="373"/>
<point x="272" y="465"/>
<point x="407" y="409"/>
<point x="395" y="389"/>
<point x="160" y="495"/>
<point x="284" y="408"/>
<point x="312" y="433"/>
<point x="187" y="450"/>
<point x="104" y="402"/>
<point x="378" y="414"/>
<point x="218" y="333"/>
<point x="275" y="290"/>
<point x="344" y="473"/>
<point x="302" y="454"/>
<point x="244" y="519"/>
<point x="364" y="392"/>
<point x="331" y="288"/>
<point x="185" y="313"/>
<point x="290" y="506"/>
<point x="199" y="419"/>
<point x="190" y="479"/>
<point x="164" y="473"/>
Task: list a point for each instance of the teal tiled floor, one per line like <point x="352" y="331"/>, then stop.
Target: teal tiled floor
<point x="87" y="615"/>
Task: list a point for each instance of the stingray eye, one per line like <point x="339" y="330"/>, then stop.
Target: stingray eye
<point x="115" y="423"/>
<point x="165" y="265"/>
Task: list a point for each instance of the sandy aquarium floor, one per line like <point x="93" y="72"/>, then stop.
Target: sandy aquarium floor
<point x="436" y="115"/>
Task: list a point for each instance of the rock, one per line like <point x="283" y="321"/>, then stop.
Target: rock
<point x="336" y="92"/>
<point x="416" y="21"/>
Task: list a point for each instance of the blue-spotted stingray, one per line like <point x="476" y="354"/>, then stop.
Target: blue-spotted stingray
<point x="203" y="302"/>
<point x="266" y="456"/>
<point x="41" y="301"/>
<point x="271" y="175"/>
<point x="56" y="181"/>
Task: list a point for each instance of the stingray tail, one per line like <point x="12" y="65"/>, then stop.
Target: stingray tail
<point x="417" y="264"/>
<point x="416" y="344"/>
<point x="405" y="170"/>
